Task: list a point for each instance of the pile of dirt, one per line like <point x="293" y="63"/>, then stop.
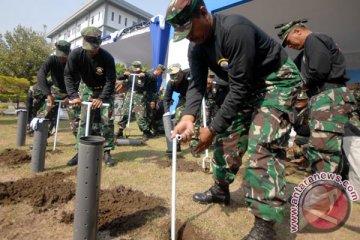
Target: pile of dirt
<point x="124" y="209"/>
<point x="181" y="165"/>
<point x="41" y="192"/>
<point x="13" y="157"/>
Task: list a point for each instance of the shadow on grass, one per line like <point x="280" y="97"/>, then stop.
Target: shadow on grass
<point x="145" y="155"/>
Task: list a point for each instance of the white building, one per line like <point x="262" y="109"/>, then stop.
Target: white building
<point x="108" y="15"/>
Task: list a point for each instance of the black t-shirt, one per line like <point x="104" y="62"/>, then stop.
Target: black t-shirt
<point x="180" y="88"/>
<point x="322" y="62"/>
<point x="238" y="52"/>
<point x="55" y="68"/>
<point x="96" y="72"/>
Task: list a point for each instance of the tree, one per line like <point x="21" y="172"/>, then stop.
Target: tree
<point x="22" y="52"/>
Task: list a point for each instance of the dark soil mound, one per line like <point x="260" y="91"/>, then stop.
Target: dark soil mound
<point x="41" y="192"/>
<point x="181" y="165"/>
<point x="123" y="209"/>
<point x="14" y="157"/>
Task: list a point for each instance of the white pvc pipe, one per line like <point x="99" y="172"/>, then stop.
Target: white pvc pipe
<point x="88" y="105"/>
<point x="57" y="123"/>
<point x="173" y="187"/>
<point x="133" y="78"/>
<point x="203" y="109"/>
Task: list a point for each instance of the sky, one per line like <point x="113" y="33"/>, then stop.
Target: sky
<point x="37" y="13"/>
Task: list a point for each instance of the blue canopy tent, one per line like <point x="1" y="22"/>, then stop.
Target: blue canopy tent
<point x="146" y="42"/>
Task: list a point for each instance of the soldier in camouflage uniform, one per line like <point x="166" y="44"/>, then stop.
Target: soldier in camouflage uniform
<point x="35" y="101"/>
<point x="331" y="103"/>
<point x="155" y="108"/>
<point x="54" y="66"/>
<point x="139" y="101"/>
<point x="301" y="126"/>
<point x="254" y="117"/>
<point x="96" y="68"/>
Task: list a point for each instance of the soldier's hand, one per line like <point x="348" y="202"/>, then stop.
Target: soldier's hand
<point x="50" y="100"/>
<point x="185" y="128"/>
<point x="126" y="73"/>
<point x="119" y="87"/>
<point x="141" y="74"/>
<point x="66" y="101"/>
<point x="96" y="103"/>
<point x="75" y="102"/>
<point x="153" y="105"/>
<point x="205" y="139"/>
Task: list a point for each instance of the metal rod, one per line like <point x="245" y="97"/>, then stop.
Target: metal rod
<point x="133" y="78"/>
<point x="88" y="105"/>
<point x="57" y="122"/>
<point x="173" y="187"/>
<point x="203" y="110"/>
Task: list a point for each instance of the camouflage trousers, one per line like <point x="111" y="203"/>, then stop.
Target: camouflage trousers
<point x="178" y="113"/>
<point x="73" y="111"/>
<point x="138" y="107"/>
<point x="329" y="112"/>
<point x="262" y="129"/>
<point x="105" y="115"/>
<point x="36" y="104"/>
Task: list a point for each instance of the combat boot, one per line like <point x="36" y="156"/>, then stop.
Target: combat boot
<point x="108" y="159"/>
<point x="216" y="194"/>
<point x="147" y="135"/>
<point x="73" y="161"/>
<point x="262" y="230"/>
<point x="120" y="133"/>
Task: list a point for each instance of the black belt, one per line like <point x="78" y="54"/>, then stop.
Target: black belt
<point x="97" y="88"/>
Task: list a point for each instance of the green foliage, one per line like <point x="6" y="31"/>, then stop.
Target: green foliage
<point x="120" y="68"/>
<point x="11" y="85"/>
<point x="22" y="52"/>
<point x="12" y="97"/>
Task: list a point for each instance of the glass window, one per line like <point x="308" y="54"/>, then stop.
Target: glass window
<point x="125" y="22"/>
<point x="119" y="19"/>
<point x="112" y="16"/>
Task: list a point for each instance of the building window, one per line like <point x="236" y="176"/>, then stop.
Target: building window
<point x="112" y="16"/>
<point x="92" y="20"/>
<point x="125" y="22"/>
<point x="119" y="19"/>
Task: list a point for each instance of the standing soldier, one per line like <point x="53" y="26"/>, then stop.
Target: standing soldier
<point x="263" y="84"/>
<point x="324" y="71"/>
<point x="96" y="68"/>
<point x="141" y="86"/>
<point x="153" y="108"/>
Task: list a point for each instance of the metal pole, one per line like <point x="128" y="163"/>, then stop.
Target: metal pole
<point x="173" y="187"/>
<point x="57" y="122"/>
<point x="203" y="108"/>
<point x="39" y="145"/>
<point x="88" y="105"/>
<point x="168" y="126"/>
<point x="21" y="127"/>
<point x="133" y="78"/>
<point x="88" y="187"/>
